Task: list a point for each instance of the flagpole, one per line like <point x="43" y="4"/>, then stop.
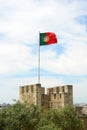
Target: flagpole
<point x="39" y="60"/>
<point x="51" y="37"/>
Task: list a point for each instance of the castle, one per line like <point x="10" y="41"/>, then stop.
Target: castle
<point x="56" y="97"/>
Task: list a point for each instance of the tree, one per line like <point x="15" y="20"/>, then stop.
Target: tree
<point x="30" y="117"/>
<point x="2" y="121"/>
<point x="20" y="117"/>
<point x="66" y="119"/>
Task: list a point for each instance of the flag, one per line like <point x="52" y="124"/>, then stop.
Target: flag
<point x="47" y="38"/>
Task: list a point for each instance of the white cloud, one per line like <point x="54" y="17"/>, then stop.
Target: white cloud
<point x="15" y="58"/>
<point x="73" y="61"/>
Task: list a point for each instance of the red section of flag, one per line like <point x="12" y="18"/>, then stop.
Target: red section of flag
<point x="52" y="39"/>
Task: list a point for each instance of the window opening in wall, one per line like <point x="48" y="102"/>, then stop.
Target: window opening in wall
<point x="60" y="95"/>
<point x="62" y="89"/>
<point x="32" y="88"/>
<point x="26" y="88"/>
<point x="54" y="96"/>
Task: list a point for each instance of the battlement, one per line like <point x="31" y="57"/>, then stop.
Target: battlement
<point x="60" y="89"/>
<point x="31" y="89"/>
<point x="31" y="93"/>
<point x="56" y="97"/>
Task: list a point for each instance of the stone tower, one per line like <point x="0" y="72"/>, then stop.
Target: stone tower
<point x="56" y="97"/>
<point x="31" y="94"/>
<point x="60" y="96"/>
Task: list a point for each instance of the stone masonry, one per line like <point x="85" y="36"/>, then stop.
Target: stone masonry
<point x="56" y="97"/>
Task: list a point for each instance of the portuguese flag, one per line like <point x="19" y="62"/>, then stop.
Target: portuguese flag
<point x="47" y="38"/>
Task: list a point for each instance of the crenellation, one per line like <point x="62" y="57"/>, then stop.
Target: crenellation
<point x="56" y="97"/>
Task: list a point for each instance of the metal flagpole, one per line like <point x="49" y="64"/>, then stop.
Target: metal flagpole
<point x="39" y="60"/>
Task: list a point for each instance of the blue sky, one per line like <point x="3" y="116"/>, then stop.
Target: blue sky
<point x="61" y="64"/>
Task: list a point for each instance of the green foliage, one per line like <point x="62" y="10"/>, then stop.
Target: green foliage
<point x="70" y="121"/>
<point x="20" y="117"/>
<point x="24" y="117"/>
<point x="66" y="119"/>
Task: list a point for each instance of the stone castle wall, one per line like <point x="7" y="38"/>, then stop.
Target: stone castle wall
<point x="56" y="97"/>
<point x="60" y="96"/>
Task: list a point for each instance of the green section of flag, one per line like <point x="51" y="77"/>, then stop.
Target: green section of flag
<point x="42" y="36"/>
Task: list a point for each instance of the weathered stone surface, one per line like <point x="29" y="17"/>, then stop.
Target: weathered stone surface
<point x="56" y="97"/>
